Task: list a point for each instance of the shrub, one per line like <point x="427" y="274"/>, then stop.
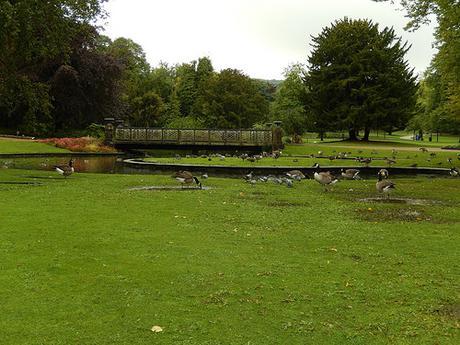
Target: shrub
<point x="83" y="144"/>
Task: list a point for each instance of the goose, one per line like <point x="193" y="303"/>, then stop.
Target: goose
<point x="186" y="177"/>
<point x="384" y="173"/>
<point x="350" y="174"/>
<point x="365" y="161"/>
<point x="383" y="185"/>
<point x="295" y="175"/>
<point x="249" y="176"/>
<point x="205" y="176"/>
<point x="454" y="172"/>
<point x="65" y="169"/>
<point x="390" y="161"/>
<point x="325" y="178"/>
<point x="423" y="149"/>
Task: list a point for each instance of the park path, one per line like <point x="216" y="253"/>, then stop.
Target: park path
<point x="389" y="147"/>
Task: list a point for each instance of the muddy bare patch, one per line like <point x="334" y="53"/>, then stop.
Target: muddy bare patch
<point x="451" y="311"/>
<point x="285" y="203"/>
<point x="406" y="201"/>
<point x="168" y="188"/>
<point x="406" y="215"/>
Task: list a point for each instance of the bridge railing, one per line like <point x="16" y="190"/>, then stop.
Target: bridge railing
<point x="227" y="137"/>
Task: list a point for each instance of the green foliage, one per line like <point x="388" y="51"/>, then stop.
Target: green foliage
<point x="358" y="78"/>
<point x="44" y="43"/>
<point x="146" y="110"/>
<point x="185" y="122"/>
<point x="232" y="100"/>
<point x="96" y="131"/>
<point x="289" y="103"/>
<point x="444" y="67"/>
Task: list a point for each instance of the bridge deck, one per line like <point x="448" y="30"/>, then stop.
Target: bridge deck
<point x="192" y="137"/>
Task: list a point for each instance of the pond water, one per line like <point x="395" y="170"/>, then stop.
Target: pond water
<point x="93" y="164"/>
<point x="114" y="164"/>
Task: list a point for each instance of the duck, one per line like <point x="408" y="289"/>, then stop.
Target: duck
<point x="65" y="169"/>
<point x="324" y="178"/>
<point x="186" y="177"/>
<point x="295" y="175"/>
<point x="350" y="174"/>
<point x="383" y="185"/>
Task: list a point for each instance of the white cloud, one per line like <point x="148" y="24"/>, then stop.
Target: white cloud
<point x="260" y="37"/>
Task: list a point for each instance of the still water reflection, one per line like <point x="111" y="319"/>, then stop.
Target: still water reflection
<point x="93" y="164"/>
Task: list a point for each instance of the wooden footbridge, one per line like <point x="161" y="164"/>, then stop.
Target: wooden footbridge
<point x="120" y="136"/>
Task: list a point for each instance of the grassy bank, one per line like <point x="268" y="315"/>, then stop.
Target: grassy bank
<point x="26" y="146"/>
<point x="404" y="157"/>
<point x="87" y="261"/>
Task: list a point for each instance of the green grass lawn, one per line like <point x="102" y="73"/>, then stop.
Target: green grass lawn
<point x="404" y="157"/>
<point x="87" y="261"/>
<point x="26" y="146"/>
<point x="396" y="138"/>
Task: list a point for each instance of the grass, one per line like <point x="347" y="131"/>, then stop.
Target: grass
<point x="396" y="138"/>
<point x="86" y="261"/>
<point x="26" y="146"/>
<point x="404" y="157"/>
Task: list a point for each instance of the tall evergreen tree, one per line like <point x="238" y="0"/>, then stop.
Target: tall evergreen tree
<point x="358" y="78"/>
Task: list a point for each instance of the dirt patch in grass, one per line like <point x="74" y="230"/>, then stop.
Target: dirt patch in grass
<point x="285" y="203"/>
<point x="396" y="214"/>
<point x="451" y="311"/>
<point x="168" y="188"/>
<point x="407" y="201"/>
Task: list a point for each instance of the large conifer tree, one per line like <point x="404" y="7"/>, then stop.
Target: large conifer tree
<point x="358" y="78"/>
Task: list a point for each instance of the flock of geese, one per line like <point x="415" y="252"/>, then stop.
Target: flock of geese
<point x="325" y="178"/>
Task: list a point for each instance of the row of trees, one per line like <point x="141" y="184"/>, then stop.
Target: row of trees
<point x="57" y="72"/>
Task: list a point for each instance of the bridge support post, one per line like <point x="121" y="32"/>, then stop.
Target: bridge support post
<point x="109" y="126"/>
<point x="277" y="136"/>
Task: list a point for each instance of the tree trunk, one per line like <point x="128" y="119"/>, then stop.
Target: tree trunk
<point x="321" y="135"/>
<point x="352" y="134"/>
<point x="367" y="131"/>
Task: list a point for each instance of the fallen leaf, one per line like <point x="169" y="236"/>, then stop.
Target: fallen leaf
<point x="156" y="329"/>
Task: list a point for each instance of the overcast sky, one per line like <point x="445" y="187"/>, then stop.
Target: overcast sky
<point x="259" y="37"/>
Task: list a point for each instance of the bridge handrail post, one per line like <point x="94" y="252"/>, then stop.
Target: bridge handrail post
<point x="178" y="137"/>
<point x="209" y="136"/>
<point x="162" y="135"/>
<point x="194" y="136"/>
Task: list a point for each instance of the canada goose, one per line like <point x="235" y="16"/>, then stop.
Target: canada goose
<point x="423" y="149"/>
<point x="384" y="173"/>
<point x="384" y="186"/>
<point x="350" y="174"/>
<point x="186" y="177"/>
<point x="65" y="169"/>
<point x="454" y="172"/>
<point x="390" y="161"/>
<point x="296" y="175"/>
<point x="325" y="178"/>
<point x="249" y="176"/>
<point x="365" y="161"/>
